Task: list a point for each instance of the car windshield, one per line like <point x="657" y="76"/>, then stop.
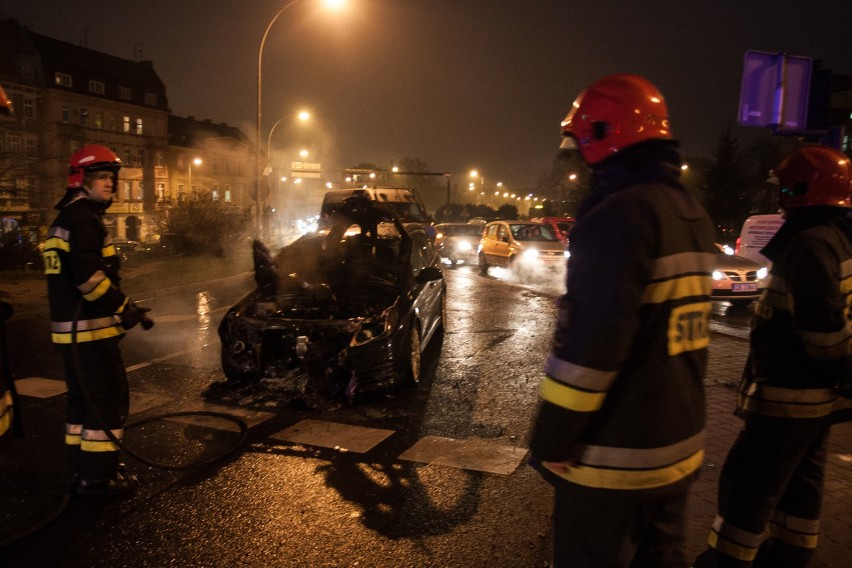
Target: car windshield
<point x="533" y="232"/>
<point x="462" y="231"/>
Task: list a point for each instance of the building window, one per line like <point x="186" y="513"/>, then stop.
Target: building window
<point x="128" y="190"/>
<point x="29" y="108"/>
<point x="126" y="122"/>
<point x="139" y="126"/>
<point x="228" y="193"/>
<point x="113" y="123"/>
<point x="161" y="191"/>
<point x="124" y="93"/>
<point x="14" y="144"/>
<point x="63" y="79"/>
<point x="150" y="99"/>
<point x="26" y="69"/>
<point x="84" y="116"/>
<point x="181" y="193"/>
<point x="99" y="120"/>
<point x="97" y="87"/>
<point x="140" y="158"/>
<point x="30" y="147"/>
<point x="159" y="160"/>
<point x="66" y="114"/>
<point x="215" y="192"/>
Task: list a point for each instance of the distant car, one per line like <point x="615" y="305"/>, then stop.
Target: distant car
<point x="521" y="246"/>
<point x="126" y="248"/>
<point x="737" y="279"/>
<point x="340" y="312"/>
<point x="560" y="225"/>
<point x="457" y="242"/>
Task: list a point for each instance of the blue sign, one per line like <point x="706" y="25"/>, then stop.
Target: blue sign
<point x="775" y="89"/>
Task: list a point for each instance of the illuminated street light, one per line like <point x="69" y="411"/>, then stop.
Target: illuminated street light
<point x="303" y="153"/>
<point x="197" y="162"/>
<point x="303" y="116"/>
<point x="332" y="4"/>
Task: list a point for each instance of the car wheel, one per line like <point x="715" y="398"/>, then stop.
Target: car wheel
<point x="483" y="265"/>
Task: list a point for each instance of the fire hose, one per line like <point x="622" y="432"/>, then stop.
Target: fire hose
<point x="146" y="324"/>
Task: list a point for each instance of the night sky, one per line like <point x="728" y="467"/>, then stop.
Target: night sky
<point x="458" y="84"/>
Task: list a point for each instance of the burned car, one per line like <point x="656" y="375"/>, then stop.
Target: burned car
<point x="340" y="312"/>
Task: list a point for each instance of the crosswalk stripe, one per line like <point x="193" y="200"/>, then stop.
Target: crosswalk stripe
<point x="479" y="455"/>
<point x="345" y="437"/>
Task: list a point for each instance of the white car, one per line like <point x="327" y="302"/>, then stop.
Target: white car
<point x="737" y="279"/>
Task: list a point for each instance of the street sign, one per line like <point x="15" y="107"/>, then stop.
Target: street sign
<point x="774" y="90"/>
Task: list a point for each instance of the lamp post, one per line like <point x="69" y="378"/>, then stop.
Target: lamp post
<point x="197" y="162"/>
<point x="258" y="169"/>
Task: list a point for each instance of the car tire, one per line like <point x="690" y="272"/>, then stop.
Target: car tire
<point x="483" y="265"/>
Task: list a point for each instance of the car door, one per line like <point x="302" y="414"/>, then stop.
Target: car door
<point x="502" y="245"/>
<point x="427" y="300"/>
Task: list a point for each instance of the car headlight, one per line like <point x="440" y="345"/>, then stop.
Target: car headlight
<point x="463" y="246"/>
<point x="566" y="254"/>
<point x="374" y="328"/>
<point x="762" y="273"/>
<point x="530" y="254"/>
<point x="719" y="275"/>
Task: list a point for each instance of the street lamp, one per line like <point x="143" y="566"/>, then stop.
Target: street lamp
<point x="197" y="162"/>
<point x="303" y="116"/>
<point x="333" y="4"/>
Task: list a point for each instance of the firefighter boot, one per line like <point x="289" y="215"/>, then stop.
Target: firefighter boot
<point x="103" y="475"/>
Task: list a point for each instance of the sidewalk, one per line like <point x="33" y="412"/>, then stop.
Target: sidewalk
<point x="727" y="356"/>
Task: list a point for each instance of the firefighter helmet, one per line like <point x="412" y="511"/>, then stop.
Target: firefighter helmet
<point x="92" y="157"/>
<point x="616" y="112"/>
<point x="815" y="175"/>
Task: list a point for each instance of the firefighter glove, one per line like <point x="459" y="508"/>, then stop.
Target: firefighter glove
<point x="134" y="314"/>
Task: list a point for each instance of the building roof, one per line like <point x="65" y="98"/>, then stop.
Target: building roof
<point x="189" y="132"/>
<point x="32" y="58"/>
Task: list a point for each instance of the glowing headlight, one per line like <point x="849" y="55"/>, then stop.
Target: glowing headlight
<point x="530" y="254"/>
<point x="719" y="275"/>
<point x="463" y="246"/>
<point x="762" y="273"/>
<point x="566" y="254"/>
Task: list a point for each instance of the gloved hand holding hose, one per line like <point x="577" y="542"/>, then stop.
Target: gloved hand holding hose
<point x="133" y="314"/>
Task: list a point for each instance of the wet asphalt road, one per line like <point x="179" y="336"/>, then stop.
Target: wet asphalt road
<point x="279" y="503"/>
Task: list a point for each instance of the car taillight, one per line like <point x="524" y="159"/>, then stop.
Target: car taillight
<point x="737" y="246"/>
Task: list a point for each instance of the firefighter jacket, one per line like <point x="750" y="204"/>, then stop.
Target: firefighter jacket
<point x="622" y="399"/>
<point x="81" y="266"/>
<point x="801" y="338"/>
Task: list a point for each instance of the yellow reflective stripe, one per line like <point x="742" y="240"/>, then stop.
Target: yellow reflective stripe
<point x="73" y="439"/>
<point x="578" y="375"/>
<point x="98" y="446"/>
<point x="677" y="288"/>
<point x="570" y="398"/>
<point x="832" y="345"/>
<point x="99" y="290"/>
<point x="630" y="479"/>
<point x="108" y="250"/>
<point x="6" y="420"/>
<point x="57" y="243"/>
<point x="792" y="396"/>
<point x="6" y="401"/>
<point x="84" y="336"/>
<point x="731" y="549"/>
<point x="735" y="534"/>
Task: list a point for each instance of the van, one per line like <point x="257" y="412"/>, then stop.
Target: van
<point x="756" y="232"/>
<point x="403" y="201"/>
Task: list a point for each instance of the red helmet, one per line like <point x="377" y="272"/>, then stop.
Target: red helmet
<point x="616" y="112"/>
<point x="90" y="158"/>
<point x="815" y="175"/>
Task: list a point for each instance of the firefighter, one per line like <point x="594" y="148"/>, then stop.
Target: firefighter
<point x="10" y="423"/>
<point x="771" y="486"/>
<point x="89" y="315"/>
<point x="619" y="430"/>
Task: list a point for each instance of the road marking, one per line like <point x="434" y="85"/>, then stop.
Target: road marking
<point x="144" y="364"/>
<point x="345" y="437"/>
<point x="479" y="455"/>
<point x="39" y="387"/>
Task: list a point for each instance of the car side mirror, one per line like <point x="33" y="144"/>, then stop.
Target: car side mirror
<point x="429" y="274"/>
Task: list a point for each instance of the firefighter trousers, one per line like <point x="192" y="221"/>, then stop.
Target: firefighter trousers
<point x="619" y="529"/>
<point x="104" y="405"/>
<point x="770" y="495"/>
